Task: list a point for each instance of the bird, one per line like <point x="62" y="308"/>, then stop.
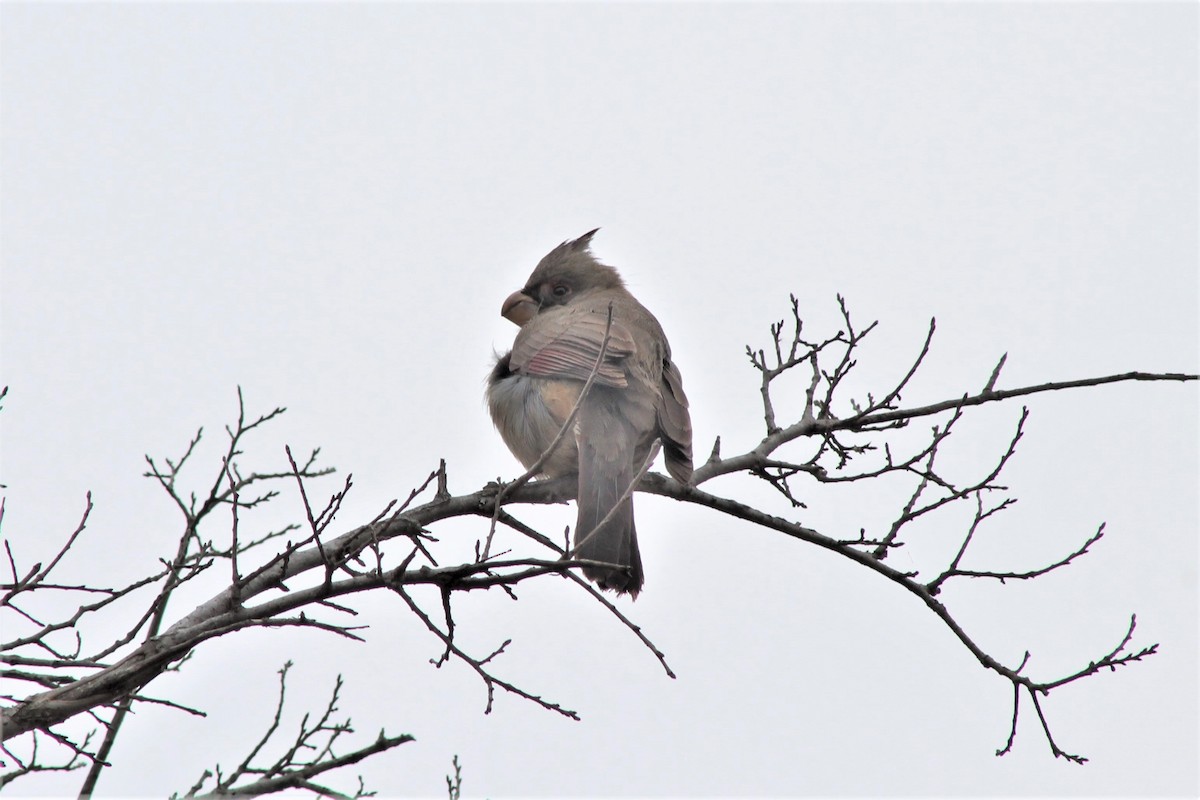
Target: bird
<point x="571" y="309"/>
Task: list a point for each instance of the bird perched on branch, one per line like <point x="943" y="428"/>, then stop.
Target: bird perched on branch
<point x="573" y="309"/>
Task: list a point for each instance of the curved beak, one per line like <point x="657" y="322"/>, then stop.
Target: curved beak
<point x="519" y="308"/>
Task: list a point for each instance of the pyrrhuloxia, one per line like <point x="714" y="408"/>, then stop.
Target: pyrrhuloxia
<point x="636" y="398"/>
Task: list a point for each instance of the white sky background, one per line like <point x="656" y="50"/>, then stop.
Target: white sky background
<point x="326" y="205"/>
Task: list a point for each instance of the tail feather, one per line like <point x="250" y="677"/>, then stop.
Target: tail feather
<point x="601" y="485"/>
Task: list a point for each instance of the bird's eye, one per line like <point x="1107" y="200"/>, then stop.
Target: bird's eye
<point x="561" y="290"/>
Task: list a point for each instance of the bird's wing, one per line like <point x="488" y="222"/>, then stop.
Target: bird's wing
<point x="675" y="424"/>
<point x="565" y="343"/>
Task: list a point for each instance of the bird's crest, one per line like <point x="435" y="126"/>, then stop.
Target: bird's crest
<point x="574" y="258"/>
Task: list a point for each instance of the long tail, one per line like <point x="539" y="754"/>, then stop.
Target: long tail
<point x="602" y="482"/>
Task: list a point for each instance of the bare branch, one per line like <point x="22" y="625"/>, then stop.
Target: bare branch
<point x="490" y="681"/>
<point x="848" y="441"/>
<point x="309" y="755"/>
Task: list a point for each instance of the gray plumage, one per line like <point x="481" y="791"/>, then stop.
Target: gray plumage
<point x="637" y="398"/>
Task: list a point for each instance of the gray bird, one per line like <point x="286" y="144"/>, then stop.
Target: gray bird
<point x="636" y="398"/>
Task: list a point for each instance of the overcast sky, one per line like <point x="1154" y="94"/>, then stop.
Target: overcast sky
<point x="327" y="204"/>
